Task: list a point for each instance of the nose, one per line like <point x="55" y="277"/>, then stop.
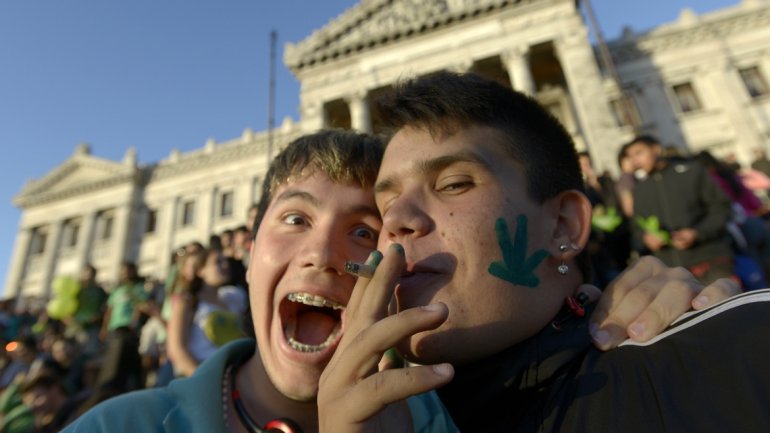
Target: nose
<point x="406" y="218"/>
<point x="324" y="250"/>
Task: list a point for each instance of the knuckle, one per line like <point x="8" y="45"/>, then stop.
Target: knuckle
<point x="651" y="261"/>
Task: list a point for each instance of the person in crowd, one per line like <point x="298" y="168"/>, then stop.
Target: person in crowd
<point x="242" y="244"/>
<point x="120" y="370"/>
<point x="316" y="212"/>
<point x="251" y="216"/>
<point x="624" y="186"/>
<point x="238" y="258"/>
<point x="52" y="405"/>
<point x="152" y="335"/>
<point x="484" y="229"/>
<point x="226" y="239"/>
<point x="86" y="323"/>
<point x="22" y="353"/>
<point x="609" y="246"/>
<point x="681" y="215"/>
<point x="750" y="233"/>
<point x="207" y="314"/>
<point x="173" y="288"/>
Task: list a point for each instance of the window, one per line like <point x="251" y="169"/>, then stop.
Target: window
<point x="70" y="233"/>
<point x="105" y="220"/>
<point x="686" y="97"/>
<point x="226" y="204"/>
<point x="754" y="81"/>
<point x="37" y="243"/>
<point x="188" y="213"/>
<point x="625" y="114"/>
<point x="152" y="221"/>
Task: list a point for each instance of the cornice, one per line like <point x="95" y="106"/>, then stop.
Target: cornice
<point x="26" y="200"/>
<point x="675" y="36"/>
<point x="374" y="23"/>
<point x="224" y="153"/>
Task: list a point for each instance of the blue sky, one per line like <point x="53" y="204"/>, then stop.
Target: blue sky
<point x="165" y="74"/>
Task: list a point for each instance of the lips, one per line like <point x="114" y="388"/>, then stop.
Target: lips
<point x="418" y="285"/>
<point x="311" y="323"/>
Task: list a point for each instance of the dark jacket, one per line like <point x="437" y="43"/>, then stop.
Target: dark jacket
<point x="707" y="373"/>
<point x="682" y="195"/>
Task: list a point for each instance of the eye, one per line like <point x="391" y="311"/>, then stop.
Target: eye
<point x="366" y="233"/>
<point x="454" y="184"/>
<point x="294" y="219"/>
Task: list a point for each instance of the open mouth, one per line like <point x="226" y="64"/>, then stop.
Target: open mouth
<point x="311" y="323"/>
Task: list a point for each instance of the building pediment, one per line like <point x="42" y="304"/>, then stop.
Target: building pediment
<point x="78" y="174"/>
<point x="373" y="23"/>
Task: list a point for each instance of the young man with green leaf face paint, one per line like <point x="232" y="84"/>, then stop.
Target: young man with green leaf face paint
<point x="469" y="161"/>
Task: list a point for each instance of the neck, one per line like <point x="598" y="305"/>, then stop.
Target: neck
<point x="509" y="391"/>
<point x="264" y="402"/>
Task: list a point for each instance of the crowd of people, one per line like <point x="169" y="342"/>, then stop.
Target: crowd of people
<point x="489" y="251"/>
<point x="142" y="333"/>
<point x="696" y="211"/>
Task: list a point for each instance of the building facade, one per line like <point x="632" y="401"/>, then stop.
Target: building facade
<point x="698" y="83"/>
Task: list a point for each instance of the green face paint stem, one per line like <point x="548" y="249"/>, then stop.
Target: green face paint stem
<point x="516" y="267"/>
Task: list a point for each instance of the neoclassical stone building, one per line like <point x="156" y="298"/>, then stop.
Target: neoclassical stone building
<point x="698" y="83"/>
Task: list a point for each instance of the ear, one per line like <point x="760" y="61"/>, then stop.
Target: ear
<point x="573" y="225"/>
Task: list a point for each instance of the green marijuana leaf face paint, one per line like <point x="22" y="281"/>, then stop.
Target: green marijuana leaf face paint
<point x="516" y="267"/>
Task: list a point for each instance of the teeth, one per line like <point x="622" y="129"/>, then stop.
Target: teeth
<point x="302" y="347"/>
<point x="315" y="301"/>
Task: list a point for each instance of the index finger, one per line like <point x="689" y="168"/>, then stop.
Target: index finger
<point x="638" y="272"/>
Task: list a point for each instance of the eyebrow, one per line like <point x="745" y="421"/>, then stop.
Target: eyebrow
<point x="434" y="165"/>
<point x="291" y="194"/>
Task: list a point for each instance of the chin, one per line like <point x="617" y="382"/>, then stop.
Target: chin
<point x="299" y="390"/>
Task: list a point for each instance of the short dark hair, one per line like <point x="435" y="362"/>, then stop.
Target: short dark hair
<point x="442" y="102"/>
<point x="42" y="380"/>
<point x="344" y="156"/>
<point x="645" y="139"/>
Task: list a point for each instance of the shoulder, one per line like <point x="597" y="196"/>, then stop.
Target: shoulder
<point x="747" y="314"/>
<point x="142" y="410"/>
<point x="709" y="358"/>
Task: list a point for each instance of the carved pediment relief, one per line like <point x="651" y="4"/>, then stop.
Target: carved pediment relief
<point x="78" y="174"/>
<point x="376" y="22"/>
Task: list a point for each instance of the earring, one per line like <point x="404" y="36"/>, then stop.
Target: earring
<point x="563" y="268"/>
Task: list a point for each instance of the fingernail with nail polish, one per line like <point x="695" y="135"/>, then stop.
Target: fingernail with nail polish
<point x="399" y="249"/>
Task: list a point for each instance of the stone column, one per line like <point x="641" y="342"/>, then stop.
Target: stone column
<point x="517" y="64"/>
<point x="584" y="82"/>
<point x="121" y="235"/>
<point x="167" y="228"/>
<point x="86" y="239"/>
<point x="18" y="262"/>
<point x="50" y="255"/>
<point x="360" y="118"/>
<point x="209" y="206"/>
